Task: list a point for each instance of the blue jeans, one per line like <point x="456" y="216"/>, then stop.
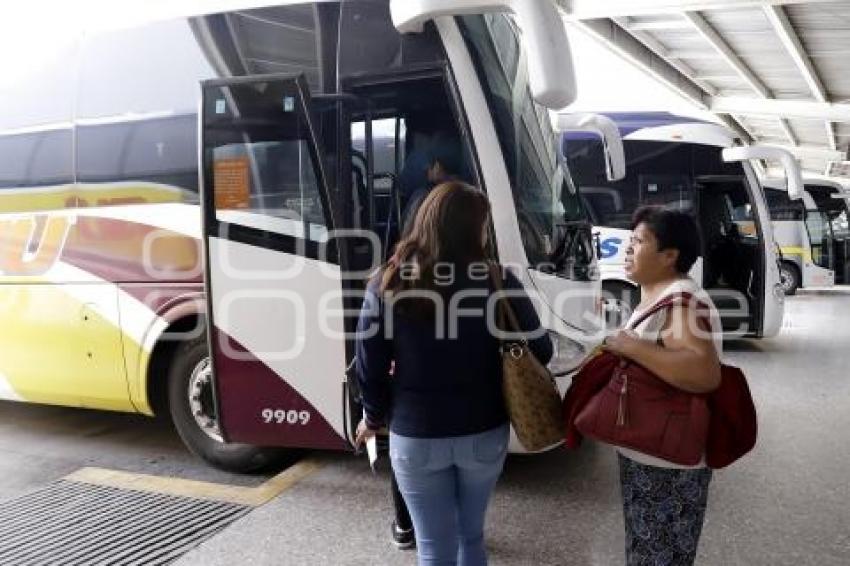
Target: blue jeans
<point x="446" y="483"/>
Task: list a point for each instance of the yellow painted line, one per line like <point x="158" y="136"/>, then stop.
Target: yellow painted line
<point x="239" y="495"/>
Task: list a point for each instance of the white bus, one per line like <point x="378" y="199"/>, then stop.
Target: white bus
<point x="247" y="138"/>
<point x="833" y="199"/>
<point x="803" y="236"/>
<point x="692" y="166"/>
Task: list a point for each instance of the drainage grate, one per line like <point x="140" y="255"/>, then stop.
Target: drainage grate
<point x="70" y="522"/>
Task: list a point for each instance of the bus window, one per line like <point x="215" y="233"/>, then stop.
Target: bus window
<point x="52" y="161"/>
<point x="15" y="152"/>
<point x="277" y="39"/>
<point x="783" y="208"/>
<point x="161" y="151"/>
<point x="670" y="191"/>
<point x="820" y="238"/>
<point x="263" y="173"/>
<point x="136" y="116"/>
<point x="548" y="208"/>
<point x="165" y="151"/>
<point x="368" y="42"/>
<point x="36" y="159"/>
<point x="113" y="83"/>
<point x="383" y="213"/>
<point x="411" y="123"/>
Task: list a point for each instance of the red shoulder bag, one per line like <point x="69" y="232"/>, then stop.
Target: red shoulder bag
<point x="638" y="410"/>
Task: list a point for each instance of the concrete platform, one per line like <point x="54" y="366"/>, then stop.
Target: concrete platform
<point x="788" y="503"/>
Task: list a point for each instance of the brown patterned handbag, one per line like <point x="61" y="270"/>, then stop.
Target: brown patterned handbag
<point x="531" y="396"/>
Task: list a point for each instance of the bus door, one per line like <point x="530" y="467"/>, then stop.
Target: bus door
<point x="838" y="212"/>
<point x="274" y="285"/>
<point x="820" y="267"/>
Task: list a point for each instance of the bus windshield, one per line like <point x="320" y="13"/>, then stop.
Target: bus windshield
<point x="668" y="174"/>
<point x="545" y="198"/>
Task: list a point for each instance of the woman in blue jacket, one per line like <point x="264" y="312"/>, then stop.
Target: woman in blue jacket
<point x="426" y="310"/>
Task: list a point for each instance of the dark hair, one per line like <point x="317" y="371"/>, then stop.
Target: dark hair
<point x="446" y="150"/>
<point x="674" y="230"/>
<point x="447" y="228"/>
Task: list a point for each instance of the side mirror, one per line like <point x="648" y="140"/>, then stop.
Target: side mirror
<point x="785" y="157"/>
<point x="550" y="63"/>
<point x="612" y="141"/>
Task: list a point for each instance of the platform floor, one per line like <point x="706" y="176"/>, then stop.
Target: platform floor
<point x="788" y="503"/>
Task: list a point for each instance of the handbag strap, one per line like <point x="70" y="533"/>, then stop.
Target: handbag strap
<point x="503" y="304"/>
<point x="683" y="298"/>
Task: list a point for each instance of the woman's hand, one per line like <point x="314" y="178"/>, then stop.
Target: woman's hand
<point x="622" y="343"/>
<point x="364" y="433"/>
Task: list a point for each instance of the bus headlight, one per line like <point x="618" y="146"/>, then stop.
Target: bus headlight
<point x="567" y="355"/>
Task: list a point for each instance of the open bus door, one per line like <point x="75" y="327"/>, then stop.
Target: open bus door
<point x="272" y="273"/>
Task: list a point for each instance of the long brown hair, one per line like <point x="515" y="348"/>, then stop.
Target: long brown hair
<point x="447" y="228"/>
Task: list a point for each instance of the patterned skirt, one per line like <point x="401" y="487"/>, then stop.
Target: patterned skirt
<point x="664" y="510"/>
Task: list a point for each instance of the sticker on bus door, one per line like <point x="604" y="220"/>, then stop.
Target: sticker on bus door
<point x="232" y="183"/>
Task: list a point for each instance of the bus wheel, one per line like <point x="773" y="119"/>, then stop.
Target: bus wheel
<point x="789" y="277"/>
<point x="190" y="401"/>
<point x="619" y="301"/>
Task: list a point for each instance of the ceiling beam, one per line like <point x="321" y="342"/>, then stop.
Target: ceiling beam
<point x="646" y="53"/>
<point x="831" y="138"/>
<point x="741" y="123"/>
<point x="591" y="9"/>
<point x="717" y="77"/>
<point x="789" y="133"/>
<point x="636" y="53"/>
<point x="733" y="60"/>
<point x="717" y="42"/>
<point x="814" y="152"/>
<point x="788" y="36"/>
<point x="735" y="124"/>
<point x="802" y="109"/>
<point x="791" y="41"/>
<point x="654" y="45"/>
<point x="655" y="25"/>
<point x="694" y="54"/>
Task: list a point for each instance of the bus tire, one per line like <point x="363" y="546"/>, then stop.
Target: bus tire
<point x="789" y="277"/>
<point x="621" y="299"/>
<point x="190" y="369"/>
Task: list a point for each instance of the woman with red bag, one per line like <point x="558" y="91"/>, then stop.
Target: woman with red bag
<point x="664" y="503"/>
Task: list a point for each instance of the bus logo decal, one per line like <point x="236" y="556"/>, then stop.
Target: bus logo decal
<point x="32" y="245"/>
<point x="609" y="247"/>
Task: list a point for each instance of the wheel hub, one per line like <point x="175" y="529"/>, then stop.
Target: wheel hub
<point x="785" y="279"/>
<point x="201" y="403"/>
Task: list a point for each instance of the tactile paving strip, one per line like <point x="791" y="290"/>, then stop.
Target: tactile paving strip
<point x="69" y="523"/>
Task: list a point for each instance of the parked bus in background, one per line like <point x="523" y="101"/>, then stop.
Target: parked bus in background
<point x="105" y="300"/>
<point x="833" y="199"/>
<point x="692" y="166"/>
<point x="803" y="236"/>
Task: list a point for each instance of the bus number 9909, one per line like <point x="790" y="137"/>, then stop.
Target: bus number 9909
<point x="281" y="416"/>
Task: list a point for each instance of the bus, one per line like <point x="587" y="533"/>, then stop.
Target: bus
<point x="803" y="236"/>
<point x="694" y="166"/>
<point x="833" y="199"/>
<point x="191" y="208"/>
